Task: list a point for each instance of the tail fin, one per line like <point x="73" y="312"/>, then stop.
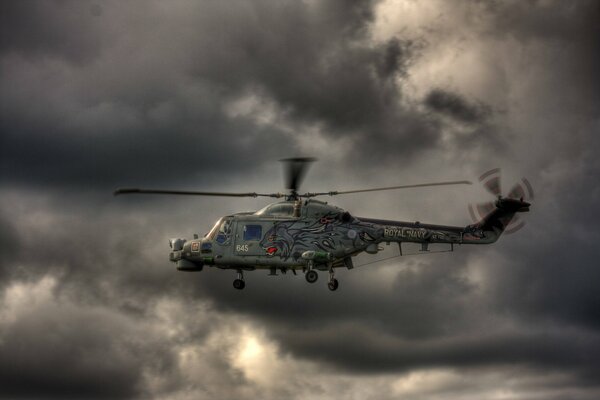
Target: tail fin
<point x="489" y="229"/>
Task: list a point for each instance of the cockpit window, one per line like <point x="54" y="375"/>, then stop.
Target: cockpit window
<point x="213" y="231"/>
<point x="224" y="232"/>
<point x="225" y="227"/>
<point x="277" y="210"/>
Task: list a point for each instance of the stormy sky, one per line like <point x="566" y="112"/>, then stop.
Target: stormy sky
<point x="209" y="95"/>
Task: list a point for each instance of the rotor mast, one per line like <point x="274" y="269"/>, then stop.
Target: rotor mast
<point x="295" y="170"/>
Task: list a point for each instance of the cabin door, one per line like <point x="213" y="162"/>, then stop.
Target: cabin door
<point x="248" y="236"/>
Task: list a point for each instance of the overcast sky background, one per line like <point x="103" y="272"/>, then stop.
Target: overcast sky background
<point x="209" y="95"/>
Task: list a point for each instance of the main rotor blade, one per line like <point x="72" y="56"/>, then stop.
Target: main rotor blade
<point x="389" y="188"/>
<point x="296" y="169"/>
<point x="193" y="193"/>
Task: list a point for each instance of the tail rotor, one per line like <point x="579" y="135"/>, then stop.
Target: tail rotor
<point x="491" y="181"/>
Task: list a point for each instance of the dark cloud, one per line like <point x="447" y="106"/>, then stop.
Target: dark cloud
<point x="323" y="70"/>
<point x="364" y="351"/>
<point x="456" y="107"/>
<point x="57" y="350"/>
<point x="178" y="155"/>
<point x="570" y="29"/>
<point x="549" y="282"/>
<point x="9" y="244"/>
<point x="37" y="29"/>
<point x="421" y="294"/>
<point x="558" y="21"/>
<point x="110" y="123"/>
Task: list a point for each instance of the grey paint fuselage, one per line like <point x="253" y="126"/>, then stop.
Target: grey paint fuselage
<point x="321" y="236"/>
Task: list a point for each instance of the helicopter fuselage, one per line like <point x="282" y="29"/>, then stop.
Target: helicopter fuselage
<point x="312" y="234"/>
<point x="305" y="234"/>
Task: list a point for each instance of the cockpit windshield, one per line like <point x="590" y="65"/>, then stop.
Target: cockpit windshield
<point x="214" y="229"/>
<point x="277" y="210"/>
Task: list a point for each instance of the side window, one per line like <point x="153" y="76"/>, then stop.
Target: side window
<point x="252" y="232"/>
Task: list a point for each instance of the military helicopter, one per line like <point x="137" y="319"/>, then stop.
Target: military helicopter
<point x="304" y="234"/>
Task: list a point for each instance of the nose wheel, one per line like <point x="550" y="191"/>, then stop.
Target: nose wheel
<point x="239" y="283"/>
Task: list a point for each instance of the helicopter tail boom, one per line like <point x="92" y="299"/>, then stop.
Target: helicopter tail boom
<point x="486" y="231"/>
<point x="495" y="222"/>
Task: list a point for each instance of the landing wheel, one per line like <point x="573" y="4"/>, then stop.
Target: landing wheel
<point x="239" y="284"/>
<point x="311" y="276"/>
<point x="333" y="284"/>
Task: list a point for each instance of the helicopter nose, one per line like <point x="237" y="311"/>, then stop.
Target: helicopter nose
<point x="176" y="244"/>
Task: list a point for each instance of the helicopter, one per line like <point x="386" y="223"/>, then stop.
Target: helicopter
<point x="301" y="233"/>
